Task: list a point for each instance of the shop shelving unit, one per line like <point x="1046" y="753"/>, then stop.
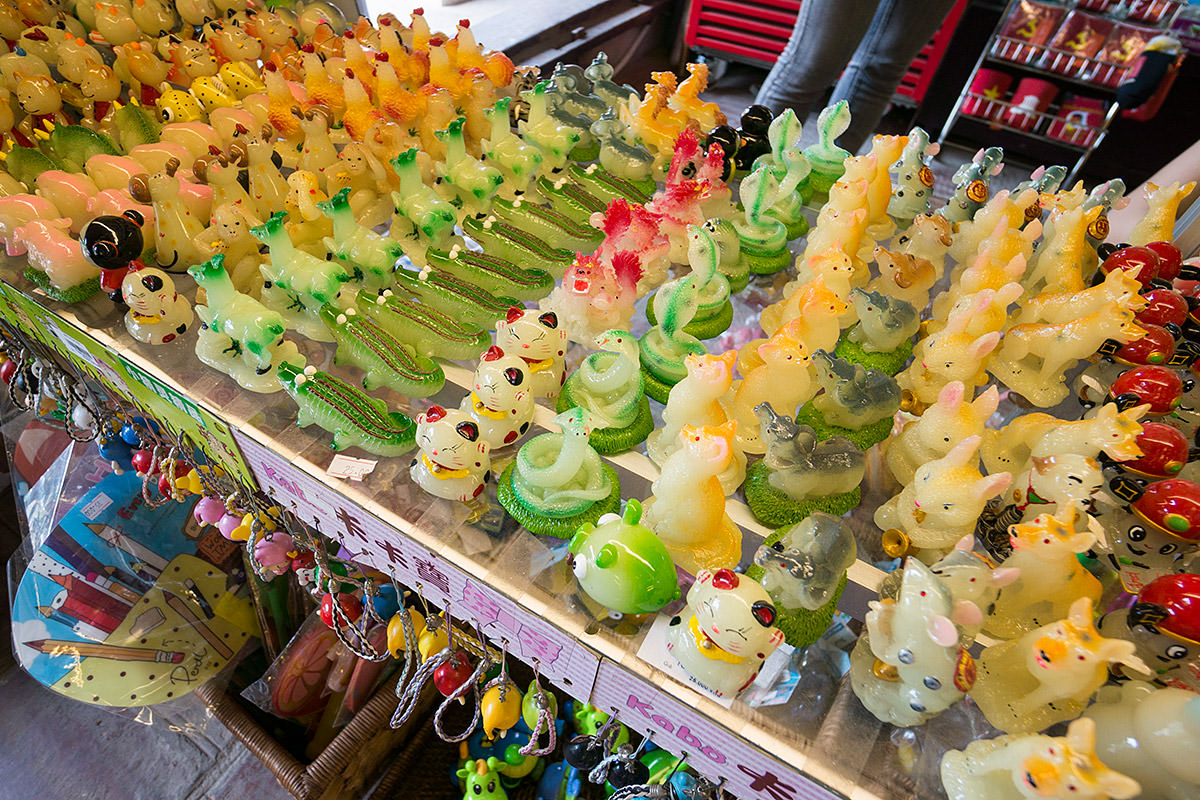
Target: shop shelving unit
<point x="756" y="31"/>
<point x="1095" y="76"/>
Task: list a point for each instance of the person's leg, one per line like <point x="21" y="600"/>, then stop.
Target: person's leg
<point x="825" y="35"/>
<point x="897" y="33"/>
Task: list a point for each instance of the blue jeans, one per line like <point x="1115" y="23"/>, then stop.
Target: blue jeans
<point x="879" y="39"/>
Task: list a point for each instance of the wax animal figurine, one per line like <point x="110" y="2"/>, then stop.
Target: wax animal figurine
<point x="544" y="130"/>
<point x="367" y="179"/>
<point x="306" y="226"/>
<point x="790" y="167"/>
<point x="301" y="282"/>
<point x="473" y="182"/>
<point x="384" y="360"/>
<point x="882" y="339"/>
<point x="1034" y="766"/>
<point x="762" y="237"/>
<point x="1057" y="264"/>
<point x="687" y="509"/>
<point x="68" y="193"/>
<point x="803" y="568"/>
<point x="177" y="224"/>
<point x="141" y="69"/>
<point x="949" y="420"/>
<point x="943" y="501"/>
<point x="784" y="379"/>
<point x="913" y="189"/>
<point x="608" y="386"/>
<point x="665" y="347"/>
<point x="1044" y="550"/>
<point x="518" y="161"/>
<point x="422" y="219"/>
<point x="971" y="236"/>
<point x="1107" y="195"/>
<point x="714" y="310"/>
<point x="596" y="294"/>
<point x="430" y="332"/>
<point x="111" y="243"/>
<point x="239" y="335"/>
<point x="1057" y="347"/>
<point x="1119" y="287"/>
<point x="631" y="162"/>
<point x="1158" y="225"/>
<point x="557" y="482"/>
<point x="908" y="666"/>
<point x="600" y="73"/>
<point x="217" y="172"/>
<point x="818" y="302"/>
<point x="696" y="400"/>
<point x="370" y="255"/>
<point x="157" y="313"/>
<point x="268" y="188"/>
<point x="841" y="223"/>
<point x="725" y="633"/>
<point x="40" y="99"/>
<point x="55" y="262"/>
<point x="801" y="472"/>
<point x="355" y="419"/>
<point x="502" y="399"/>
<point x="856" y="402"/>
<point x="230" y="235"/>
<point x="454" y="463"/>
<point x="951" y="354"/>
<point x="629" y="226"/>
<point x="622" y="565"/>
<point x="541" y="343"/>
<point x="972" y="185"/>
<point x="1049" y="674"/>
<point x="825" y="156"/>
<point x="19" y="209"/>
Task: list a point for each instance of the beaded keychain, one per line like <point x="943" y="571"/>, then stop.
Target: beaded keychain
<point x="545" y="709"/>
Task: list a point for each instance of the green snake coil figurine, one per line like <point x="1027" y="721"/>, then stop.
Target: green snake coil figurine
<point x="714" y="311"/>
<point x="608" y="386"/>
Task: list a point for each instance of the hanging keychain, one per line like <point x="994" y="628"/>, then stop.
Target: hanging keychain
<point x="502" y="701"/>
<point x="470" y="685"/>
<point x="539" y="710"/>
<point x="424" y="673"/>
<point x="585" y="751"/>
<point x="621" y="767"/>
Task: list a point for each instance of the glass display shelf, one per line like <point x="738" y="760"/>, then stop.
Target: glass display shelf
<point x="820" y="744"/>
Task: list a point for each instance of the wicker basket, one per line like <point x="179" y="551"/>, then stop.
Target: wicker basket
<point x="347" y="765"/>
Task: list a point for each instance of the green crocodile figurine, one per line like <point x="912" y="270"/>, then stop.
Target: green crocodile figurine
<point x="428" y="330"/>
<point x="526" y="250"/>
<point x="362" y="342"/>
<point x="493" y="273"/>
<point x="452" y="295"/>
<point x="354" y="419"/>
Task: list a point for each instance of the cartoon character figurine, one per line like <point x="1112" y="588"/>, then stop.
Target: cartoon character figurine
<point x="501" y="402"/>
<point x="1156" y="532"/>
<point x="725" y="633"/>
<point x="1033" y="766"/>
<point x="1150" y="735"/>
<point x="157" y="313"/>
<point x="804" y="570"/>
<point x="622" y="565"/>
<point x="113" y="244"/>
<point x="541" y="343"/>
<point x="909" y="666"/>
<point x="454" y="462"/>
<point x="1164" y="627"/>
<point x="558" y="482"/>
<point x="1050" y="674"/>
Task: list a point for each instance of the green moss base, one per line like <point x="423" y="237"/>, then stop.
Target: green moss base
<point x="656" y="388"/>
<point x="559" y="527"/>
<point x="584" y="155"/>
<point x="865" y="438"/>
<point x="607" y="441"/>
<point x="703" y="328"/>
<point x="795" y="229"/>
<point x="738" y="281"/>
<point x="769" y="264"/>
<point x="892" y="363"/>
<point x="76" y="294"/>
<point x="775" y="509"/>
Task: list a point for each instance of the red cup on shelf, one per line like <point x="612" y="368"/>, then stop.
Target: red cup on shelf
<point x="1152" y="11"/>
<point x="1030" y="100"/>
<point x="1078" y="121"/>
<point x="987" y="90"/>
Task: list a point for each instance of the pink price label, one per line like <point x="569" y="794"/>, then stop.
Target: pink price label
<point x="561" y="658"/>
<point x="711" y="750"/>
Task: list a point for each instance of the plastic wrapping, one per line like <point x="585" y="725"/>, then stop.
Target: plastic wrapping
<point x="124" y="605"/>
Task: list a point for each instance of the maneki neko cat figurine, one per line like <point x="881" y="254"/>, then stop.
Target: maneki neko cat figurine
<point x="541" y="343"/>
<point x="942" y="503"/>
<point x="1044" y="550"/>
<point x="908" y="665"/>
<point x="1050" y="674"/>
<point x="687" y="509"/>
<point x="454" y="463"/>
<point x="501" y="401"/>
<point x="157" y="313"/>
<point x="944" y="424"/>
<point x="725" y="633"/>
<point x="1035" y="767"/>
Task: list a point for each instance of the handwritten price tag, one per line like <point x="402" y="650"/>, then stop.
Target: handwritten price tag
<point x="355" y="469"/>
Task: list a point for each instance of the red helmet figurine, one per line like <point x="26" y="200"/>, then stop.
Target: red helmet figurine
<point x="1170" y="605"/>
<point x="1164" y="451"/>
<point x="1162" y="388"/>
<point x="1172" y="506"/>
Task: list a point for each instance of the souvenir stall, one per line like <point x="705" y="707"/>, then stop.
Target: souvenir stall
<point x="463" y="431"/>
